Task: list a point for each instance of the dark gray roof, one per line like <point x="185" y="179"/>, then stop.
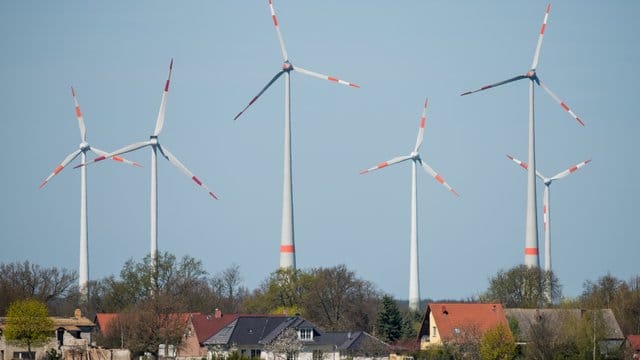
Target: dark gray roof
<point x="263" y="329"/>
<point x="246" y="330"/>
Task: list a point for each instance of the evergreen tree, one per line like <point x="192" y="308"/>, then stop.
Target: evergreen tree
<point x="389" y="322"/>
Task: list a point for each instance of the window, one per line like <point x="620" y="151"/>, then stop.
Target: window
<point x="305" y="334"/>
<point x="318" y="355"/>
<point x="435" y="332"/>
<point x="23" y="355"/>
<point x="255" y="353"/>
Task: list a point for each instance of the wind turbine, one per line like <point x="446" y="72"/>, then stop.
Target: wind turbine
<point x="83" y="148"/>
<point x="545" y="203"/>
<point x="531" y="239"/>
<point x="287" y="243"/>
<point x="154" y="144"/>
<point x="414" y="156"/>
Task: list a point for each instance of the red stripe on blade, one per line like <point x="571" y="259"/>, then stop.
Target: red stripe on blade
<point x="440" y="179"/>
<point x="330" y="78"/>
<point x="166" y="86"/>
<point x="78" y="112"/>
<point x="197" y="180"/>
<point x="384" y="164"/>
<point x="58" y="169"/>
<point x="542" y="29"/>
<point x="422" y="121"/>
<point x="118" y="158"/>
<point x="564" y="106"/>
<point x="275" y="20"/>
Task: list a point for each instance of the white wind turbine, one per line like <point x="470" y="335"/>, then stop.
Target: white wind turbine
<point x="546" y="205"/>
<point x="414" y="156"/>
<point x="154" y="144"/>
<point x="531" y="239"/>
<point x="287" y="243"/>
<point x="83" y="148"/>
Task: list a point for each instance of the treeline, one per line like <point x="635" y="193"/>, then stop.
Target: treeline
<point x="333" y="298"/>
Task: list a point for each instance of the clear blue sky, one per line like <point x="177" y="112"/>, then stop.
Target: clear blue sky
<point x="116" y="55"/>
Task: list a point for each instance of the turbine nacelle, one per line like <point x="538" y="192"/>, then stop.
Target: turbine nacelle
<point x="84" y="146"/>
<point x="286" y="66"/>
<point x="153" y="140"/>
<point x="533" y="76"/>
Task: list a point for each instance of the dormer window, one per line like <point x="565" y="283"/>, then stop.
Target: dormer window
<point x="305" y="334"/>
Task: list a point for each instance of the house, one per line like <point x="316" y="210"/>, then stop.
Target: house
<point x="452" y="322"/>
<point x="69" y="336"/>
<point x="198" y="328"/>
<point x="282" y="337"/>
<point x="527" y="321"/>
<point x="633" y="345"/>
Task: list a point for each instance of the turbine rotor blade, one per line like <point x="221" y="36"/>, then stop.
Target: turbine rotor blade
<point x="163" y="103"/>
<point x="423" y="120"/>
<point x="125" y="149"/>
<point x="324" y="77"/>
<point x="173" y="160"/>
<point x="260" y="93"/>
<point x="557" y="99"/>
<point x="285" y="57"/>
<point x="115" y="157"/>
<point x="384" y="164"/>
<point x="59" y="168"/>
<point x="570" y="170"/>
<point x="437" y="176"/>
<point x="536" y="55"/>
<point x="486" y="87"/>
<point x="525" y="166"/>
<point x="83" y="129"/>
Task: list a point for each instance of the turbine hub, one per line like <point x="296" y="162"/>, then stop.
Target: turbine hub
<point x="153" y="140"/>
<point x="414" y="155"/>
<point x="84" y="146"/>
<point x="287" y="66"/>
<point x="531" y="74"/>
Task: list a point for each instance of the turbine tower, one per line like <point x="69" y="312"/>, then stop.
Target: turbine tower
<point x="531" y="236"/>
<point x="414" y="156"/>
<point x="154" y="144"/>
<point x="287" y="239"/>
<point x="546" y="204"/>
<point x="83" y="148"/>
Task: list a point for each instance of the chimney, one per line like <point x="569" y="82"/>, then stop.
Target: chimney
<point x="217" y="314"/>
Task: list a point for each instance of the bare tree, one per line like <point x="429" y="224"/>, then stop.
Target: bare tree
<point x="30" y="281"/>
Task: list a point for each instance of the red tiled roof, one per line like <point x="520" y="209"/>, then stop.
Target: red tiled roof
<point x="463" y="316"/>
<point x="206" y="325"/>
<point x="634" y="341"/>
<point x="103" y="320"/>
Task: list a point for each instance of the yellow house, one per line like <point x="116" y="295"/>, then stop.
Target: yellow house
<point x="451" y="322"/>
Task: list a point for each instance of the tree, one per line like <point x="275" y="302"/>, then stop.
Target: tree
<point x="184" y="280"/>
<point x="227" y="286"/>
<point x="465" y="342"/>
<point x="523" y="287"/>
<point x="498" y="344"/>
<point x="143" y="328"/>
<point x="389" y="322"/>
<point x="24" y="280"/>
<point x="335" y="299"/>
<point x="286" y="345"/>
<point x="28" y="324"/>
